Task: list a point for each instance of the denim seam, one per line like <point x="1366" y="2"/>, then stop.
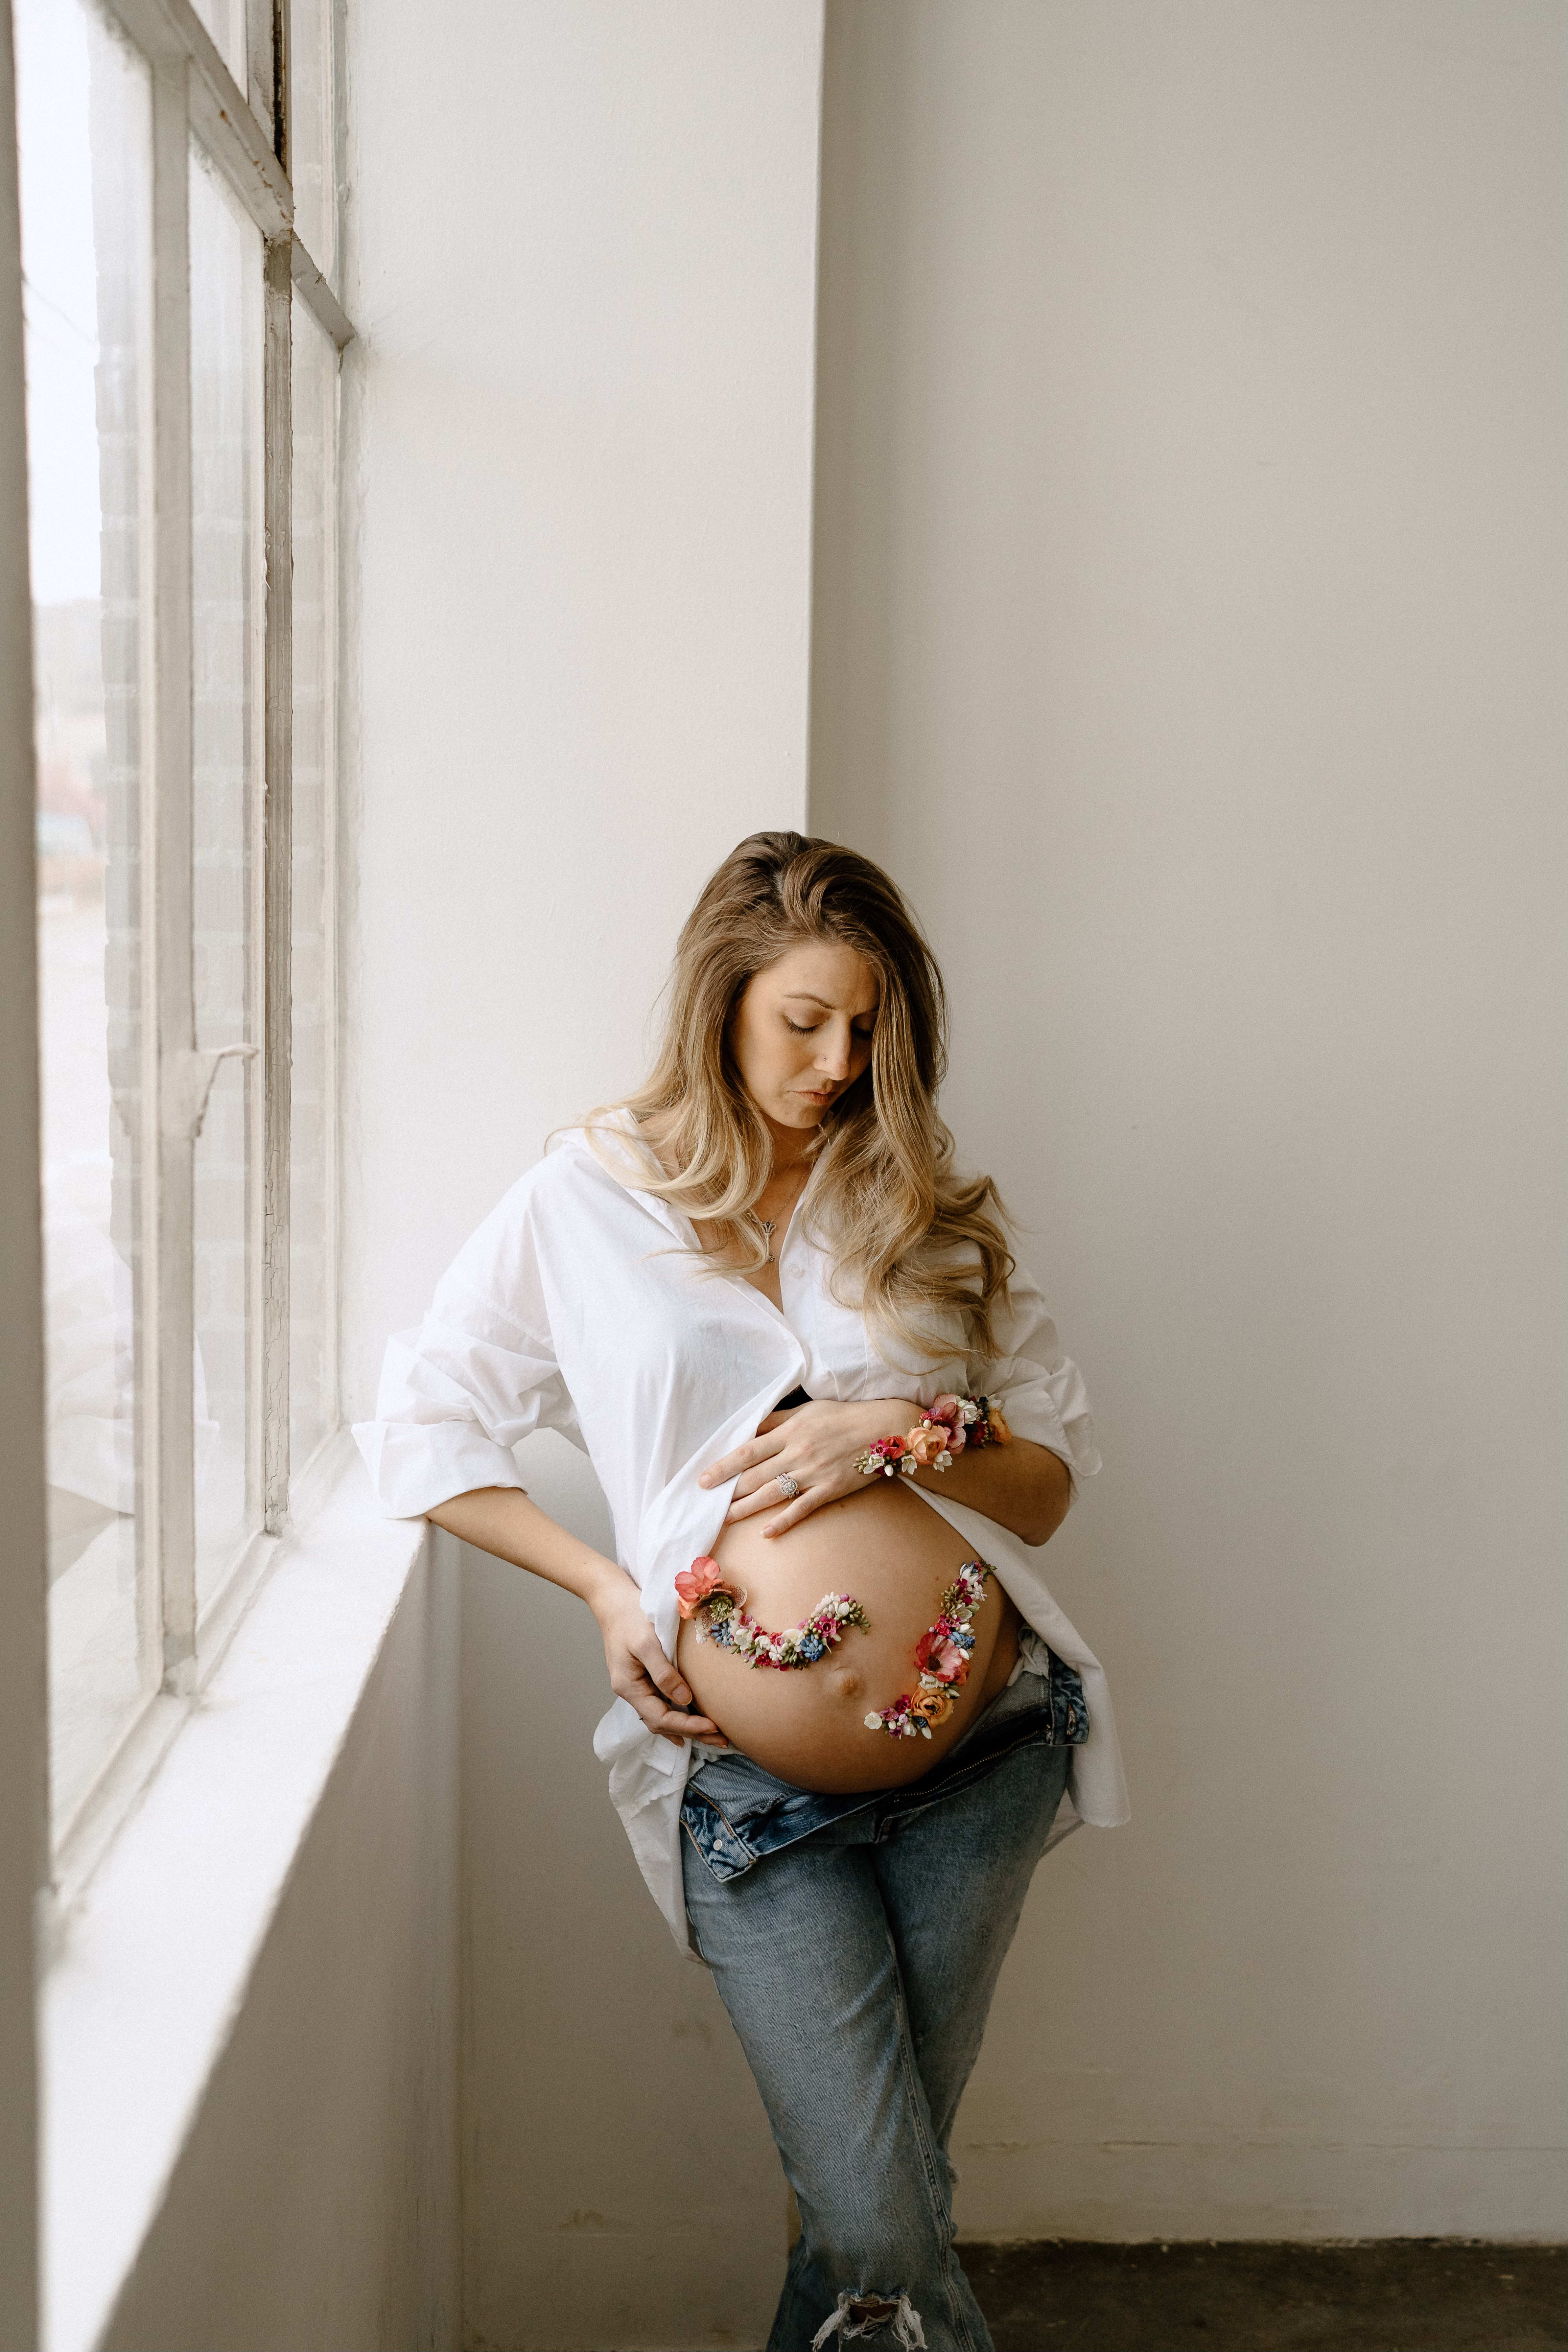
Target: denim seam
<point x="915" y="2092"/>
<point x="702" y="1858"/>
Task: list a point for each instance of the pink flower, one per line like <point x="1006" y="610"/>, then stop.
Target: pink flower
<point x="697" y="1583"/>
<point x="890" y="1449"/>
<point x="937" y="1654"/>
<point x="928" y="1441"/>
<point x="945" y="1409"/>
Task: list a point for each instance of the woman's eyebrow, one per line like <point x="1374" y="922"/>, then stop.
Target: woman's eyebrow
<point x="803" y="996"/>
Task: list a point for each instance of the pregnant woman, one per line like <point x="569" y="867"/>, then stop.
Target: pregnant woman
<point x="833" y="1425"/>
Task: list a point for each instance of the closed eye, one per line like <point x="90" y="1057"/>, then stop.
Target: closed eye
<point x="863" y="1034"/>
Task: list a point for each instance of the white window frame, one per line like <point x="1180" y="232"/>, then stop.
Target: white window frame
<point x="246" y="137"/>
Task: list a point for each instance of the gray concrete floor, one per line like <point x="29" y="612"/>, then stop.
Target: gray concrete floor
<point x="1412" y="2294"/>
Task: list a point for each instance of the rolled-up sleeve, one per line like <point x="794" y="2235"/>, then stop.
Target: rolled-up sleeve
<point x="475" y="1378"/>
<point x="1039" y="1389"/>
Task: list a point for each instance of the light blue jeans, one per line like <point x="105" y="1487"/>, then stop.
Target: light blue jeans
<point x="857" y="1943"/>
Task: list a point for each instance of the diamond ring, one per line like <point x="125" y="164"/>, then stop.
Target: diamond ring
<point x="789" y="1487"/>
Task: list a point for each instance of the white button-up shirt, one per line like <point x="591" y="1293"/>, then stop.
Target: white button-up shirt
<point x="583" y="1304"/>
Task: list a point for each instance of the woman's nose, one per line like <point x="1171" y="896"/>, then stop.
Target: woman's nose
<point x="834" y="1059"/>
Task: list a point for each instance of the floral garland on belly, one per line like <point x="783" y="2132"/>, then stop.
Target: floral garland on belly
<point x="701" y="1592"/>
<point x="942" y="1655"/>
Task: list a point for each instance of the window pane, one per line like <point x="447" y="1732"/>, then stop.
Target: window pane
<point x="83" y="132"/>
<point x="312" y="1384"/>
<point x="225" y="20"/>
<point x="226" y="609"/>
<point x="311" y="151"/>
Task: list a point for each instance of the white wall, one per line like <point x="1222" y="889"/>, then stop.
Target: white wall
<point x="583" y="245"/>
<point x="314" y="2205"/>
<point x="1190" y="602"/>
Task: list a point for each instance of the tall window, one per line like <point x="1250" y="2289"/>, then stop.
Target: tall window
<point x="178" y="184"/>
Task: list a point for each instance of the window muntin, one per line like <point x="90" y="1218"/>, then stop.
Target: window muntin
<point x="159" y="249"/>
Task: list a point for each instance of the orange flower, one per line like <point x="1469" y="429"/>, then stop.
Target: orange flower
<point x="927" y="1442"/>
<point x="932" y="1706"/>
<point x="697" y="1583"/>
<point x="1000" y="1431"/>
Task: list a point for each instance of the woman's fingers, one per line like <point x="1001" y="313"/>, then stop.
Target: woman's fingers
<point x="793" y="1512"/>
<point x="745" y="1457"/>
<point x="649" y="1680"/>
<point x="674" y="1724"/>
<point x="831" y="1488"/>
<point x="661" y="1696"/>
<point x="745" y="1506"/>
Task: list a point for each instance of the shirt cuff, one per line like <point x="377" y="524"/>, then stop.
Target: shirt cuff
<point x="413" y="1466"/>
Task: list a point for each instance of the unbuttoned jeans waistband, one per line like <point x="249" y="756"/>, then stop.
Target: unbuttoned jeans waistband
<point x="736" y="1814"/>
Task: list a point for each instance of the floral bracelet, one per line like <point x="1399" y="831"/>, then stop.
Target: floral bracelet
<point x="949" y="1424"/>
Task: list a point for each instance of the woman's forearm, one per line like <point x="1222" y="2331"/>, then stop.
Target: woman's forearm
<point x="507" y="1522"/>
<point x="1024" y="1487"/>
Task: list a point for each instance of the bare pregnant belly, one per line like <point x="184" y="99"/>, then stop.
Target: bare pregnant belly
<point x="806" y="1724"/>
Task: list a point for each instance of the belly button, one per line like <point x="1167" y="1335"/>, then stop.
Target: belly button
<point x="846" y="1682"/>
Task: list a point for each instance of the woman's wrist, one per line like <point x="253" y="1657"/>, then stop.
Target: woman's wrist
<point x="936" y="1436"/>
<point x="885" y="1417"/>
<point x="607" y="1588"/>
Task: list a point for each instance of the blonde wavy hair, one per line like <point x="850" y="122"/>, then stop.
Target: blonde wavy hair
<point x="910" y="1238"/>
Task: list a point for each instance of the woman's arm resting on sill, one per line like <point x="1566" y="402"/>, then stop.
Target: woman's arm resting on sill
<point x="1024" y="1487"/>
<point x="502" y="1520"/>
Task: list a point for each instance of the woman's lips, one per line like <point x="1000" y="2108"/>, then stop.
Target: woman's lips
<point x="826" y="1096"/>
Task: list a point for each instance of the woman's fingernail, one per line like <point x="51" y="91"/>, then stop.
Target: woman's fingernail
<point x="682" y="1696"/>
<point x="706" y="1479"/>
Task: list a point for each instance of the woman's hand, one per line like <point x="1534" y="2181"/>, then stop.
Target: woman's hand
<point x="640" y="1671"/>
<point x="816" y="1444"/>
<point x="505" y="1521"/>
<point x="1023" y="1487"/>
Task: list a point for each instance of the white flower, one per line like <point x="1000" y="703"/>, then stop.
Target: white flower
<point x="873" y="1722"/>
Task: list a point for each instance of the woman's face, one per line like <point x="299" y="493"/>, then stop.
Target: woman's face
<point x="802" y="1031"/>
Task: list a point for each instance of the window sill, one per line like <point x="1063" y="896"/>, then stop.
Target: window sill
<point x="150" y="1958"/>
